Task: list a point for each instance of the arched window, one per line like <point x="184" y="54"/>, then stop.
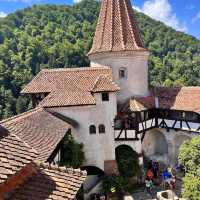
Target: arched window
<point x="123" y="73"/>
<point x="92" y="129"/>
<point x="102" y="128"/>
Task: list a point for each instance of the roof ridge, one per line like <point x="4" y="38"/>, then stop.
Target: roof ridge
<point x="100" y="77"/>
<point x="22" y="115"/>
<point x="76" y="69"/>
<point x="96" y="82"/>
<point x="58" y="168"/>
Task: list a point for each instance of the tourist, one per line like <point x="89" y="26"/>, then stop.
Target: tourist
<point x="155" y="169"/>
<point x="168" y="179"/>
<point x="150" y="174"/>
<point x="149" y="186"/>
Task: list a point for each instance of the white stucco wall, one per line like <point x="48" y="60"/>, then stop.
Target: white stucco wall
<point x="97" y="147"/>
<point x="157" y="139"/>
<point x="136" y="83"/>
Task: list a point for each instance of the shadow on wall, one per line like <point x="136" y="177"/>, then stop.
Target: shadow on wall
<point x="155" y="146"/>
<point x="179" y="140"/>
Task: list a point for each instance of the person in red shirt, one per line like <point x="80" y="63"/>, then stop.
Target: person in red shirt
<point x="150" y="174"/>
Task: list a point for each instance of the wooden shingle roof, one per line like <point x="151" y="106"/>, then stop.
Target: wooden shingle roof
<point x="116" y="29"/>
<point x="49" y="80"/>
<point x="35" y="128"/>
<point x="184" y="98"/>
<point x="23" y="177"/>
<point x="61" y="98"/>
<point x="14" y="155"/>
<point x="105" y="84"/>
<point x="49" y="182"/>
<point x="71" y="86"/>
<point x="177" y="98"/>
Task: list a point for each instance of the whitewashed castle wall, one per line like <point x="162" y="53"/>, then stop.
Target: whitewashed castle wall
<point x="136" y="83"/>
<point x="173" y="140"/>
<point x="97" y="147"/>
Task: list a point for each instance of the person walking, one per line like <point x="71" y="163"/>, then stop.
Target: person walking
<point x="149" y="186"/>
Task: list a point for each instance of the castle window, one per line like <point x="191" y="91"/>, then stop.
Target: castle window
<point x="92" y="129"/>
<point x="105" y="96"/>
<point x="102" y="129"/>
<point x="123" y="73"/>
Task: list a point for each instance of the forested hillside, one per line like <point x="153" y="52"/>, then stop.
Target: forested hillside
<point x="49" y="36"/>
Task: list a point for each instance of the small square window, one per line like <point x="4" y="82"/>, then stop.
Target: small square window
<point x="122" y="73"/>
<point x="105" y="96"/>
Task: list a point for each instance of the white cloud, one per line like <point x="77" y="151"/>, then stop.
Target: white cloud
<point x="137" y="8"/>
<point x="161" y="10"/>
<point x="77" y="1"/>
<point x="2" y="14"/>
<point x="196" y="18"/>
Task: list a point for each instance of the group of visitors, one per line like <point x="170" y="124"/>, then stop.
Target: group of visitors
<point x="156" y="177"/>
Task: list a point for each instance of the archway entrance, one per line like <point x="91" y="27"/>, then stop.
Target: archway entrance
<point x="93" y="170"/>
<point x="127" y="160"/>
<point x="155" y="146"/>
<point x="94" y="178"/>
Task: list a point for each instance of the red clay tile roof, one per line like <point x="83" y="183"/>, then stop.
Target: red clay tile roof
<point x="61" y="98"/>
<point x="37" y="130"/>
<point x="49" y="182"/>
<point x="14" y="155"/>
<point x="142" y="103"/>
<point x="116" y="29"/>
<point x="49" y="80"/>
<point x="71" y="87"/>
<point x="184" y="98"/>
<point x="105" y="84"/>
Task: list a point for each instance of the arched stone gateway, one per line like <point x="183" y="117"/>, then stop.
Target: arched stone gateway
<point x="155" y="146"/>
<point x="93" y="170"/>
<point x="93" y="182"/>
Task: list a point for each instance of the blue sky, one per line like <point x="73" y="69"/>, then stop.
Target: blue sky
<point x="183" y="15"/>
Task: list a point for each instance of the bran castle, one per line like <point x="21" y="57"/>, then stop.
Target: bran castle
<point x="110" y="103"/>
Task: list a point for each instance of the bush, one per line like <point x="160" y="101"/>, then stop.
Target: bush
<point x="127" y="161"/>
<point x="116" y="184"/>
<point x="190" y="157"/>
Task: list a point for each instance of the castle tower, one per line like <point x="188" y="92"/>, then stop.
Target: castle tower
<point x="117" y="43"/>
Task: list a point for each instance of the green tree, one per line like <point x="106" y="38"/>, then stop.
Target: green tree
<point x="127" y="160"/>
<point x="72" y="154"/>
<point x="52" y="36"/>
<point x="190" y="158"/>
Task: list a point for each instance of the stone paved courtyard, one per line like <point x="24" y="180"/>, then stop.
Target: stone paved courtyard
<point x="143" y="195"/>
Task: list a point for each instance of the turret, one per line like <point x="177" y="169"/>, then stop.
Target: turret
<point x="117" y="43"/>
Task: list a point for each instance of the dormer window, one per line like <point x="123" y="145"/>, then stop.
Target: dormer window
<point x="123" y="73"/>
<point x="105" y="96"/>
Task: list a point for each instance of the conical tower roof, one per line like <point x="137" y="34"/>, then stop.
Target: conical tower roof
<point x="116" y="29"/>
